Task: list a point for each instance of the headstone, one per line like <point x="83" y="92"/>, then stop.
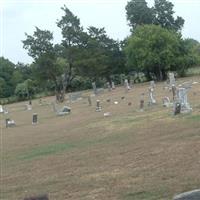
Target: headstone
<point x="108" y="86"/>
<point x="40" y="197"/>
<point x="116" y="102"/>
<point x="174" y="92"/>
<point x="107" y="114"/>
<point x="89" y="100"/>
<point x="152" y="84"/>
<point x="94" y="88"/>
<point x="191" y="195"/>
<point x="129" y="103"/>
<point x="28" y="107"/>
<point x="142" y="102"/>
<point x="99" y="91"/>
<point x="1" y="109"/>
<point x="10" y="123"/>
<point x="108" y="100"/>
<point x="122" y="98"/>
<point x="166" y="102"/>
<point x="151" y="96"/>
<point x="182" y="99"/>
<point x="177" y="108"/>
<point x="113" y="85"/>
<point x="172" y="80"/>
<point x="5" y="110"/>
<point x="64" y="111"/>
<point x="126" y="84"/>
<point x="35" y="118"/>
<point x="98" y="107"/>
<point x="131" y="81"/>
<point x="75" y="96"/>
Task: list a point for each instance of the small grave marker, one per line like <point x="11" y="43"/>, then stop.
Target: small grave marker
<point x="35" y="118"/>
<point x="98" y="107"/>
<point x="10" y="123"/>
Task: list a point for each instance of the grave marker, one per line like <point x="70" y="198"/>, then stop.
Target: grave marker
<point x="151" y="96"/>
<point x="10" y="123"/>
<point x="35" y="118"/>
<point x="94" y="88"/>
<point x="98" y="107"/>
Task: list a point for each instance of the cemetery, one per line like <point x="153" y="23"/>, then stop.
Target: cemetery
<point x="102" y="107"/>
<point x="102" y="146"/>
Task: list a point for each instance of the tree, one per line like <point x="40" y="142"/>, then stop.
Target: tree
<point x="73" y="40"/>
<point x="7" y="69"/>
<point x="102" y="55"/>
<point x="154" y="51"/>
<point x="162" y="13"/>
<point x="41" y="48"/>
<point x="138" y="13"/>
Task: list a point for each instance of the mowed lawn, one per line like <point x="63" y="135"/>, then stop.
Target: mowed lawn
<point x="130" y="155"/>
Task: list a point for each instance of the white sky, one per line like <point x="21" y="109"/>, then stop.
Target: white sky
<point x="20" y="16"/>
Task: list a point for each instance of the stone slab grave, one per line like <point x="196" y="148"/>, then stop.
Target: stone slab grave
<point x="172" y="80"/>
<point x="166" y="102"/>
<point x="183" y="100"/>
<point x="35" y="118"/>
<point x="1" y="109"/>
<point x="142" y="102"/>
<point x="10" y="123"/>
<point x="75" y="96"/>
<point x="113" y="85"/>
<point x="152" y="100"/>
<point x="191" y="195"/>
<point x="152" y="84"/>
<point x="98" y="106"/>
<point x="61" y="112"/>
<point x="126" y="84"/>
<point x="109" y="87"/>
<point x="94" y="87"/>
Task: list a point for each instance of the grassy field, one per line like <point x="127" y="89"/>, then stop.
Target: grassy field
<point x="129" y="155"/>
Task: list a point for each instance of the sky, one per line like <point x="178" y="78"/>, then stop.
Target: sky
<point x="18" y="17"/>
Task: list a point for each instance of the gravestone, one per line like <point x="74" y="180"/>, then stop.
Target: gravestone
<point x="107" y="114"/>
<point x="151" y="96"/>
<point x="174" y="92"/>
<point x="131" y="81"/>
<point x="75" y="96"/>
<point x="5" y="110"/>
<point x="152" y="84"/>
<point x="99" y="91"/>
<point x="177" y="108"/>
<point x="126" y="84"/>
<point x="64" y="111"/>
<point x="35" y="118"/>
<point x="40" y="197"/>
<point x="183" y="100"/>
<point x="191" y="195"/>
<point x="108" y="86"/>
<point x="142" y="102"/>
<point x="28" y="107"/>
<point x="172" y="80"/>
<point x="10" y="123"/>
<point x="98" y="107"/>
<point x="108" y="100"/>
<point x="89" y="100"/>
<point x="129" y="103"/>
<point x="1" y="109"/>
<point x="94" y="88"/>
<point x="113" y="85"/>
<point x="166" y="102"/>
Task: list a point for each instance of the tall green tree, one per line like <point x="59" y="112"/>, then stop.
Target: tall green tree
<point x="162" y="13"/>
<point x="138" y="13"/>
<point x="40" y="47"/>
<point x="155" y="50"/>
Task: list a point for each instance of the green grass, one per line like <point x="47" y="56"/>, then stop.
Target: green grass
<point x="52" y="149"/>
<point x="194" y="117"/>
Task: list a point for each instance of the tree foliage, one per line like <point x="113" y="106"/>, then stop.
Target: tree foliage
<point x="155" y="50"/>
<point x="162" y="13"/>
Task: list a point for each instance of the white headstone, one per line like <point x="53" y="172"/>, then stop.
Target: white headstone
<point x="183" y="100"/>
<point x="172" y="80"/>
<point x="1" y="109"/>
<point x="151" y="96"/>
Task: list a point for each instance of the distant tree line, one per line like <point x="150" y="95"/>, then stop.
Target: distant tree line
<point x="154" y="47"/>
